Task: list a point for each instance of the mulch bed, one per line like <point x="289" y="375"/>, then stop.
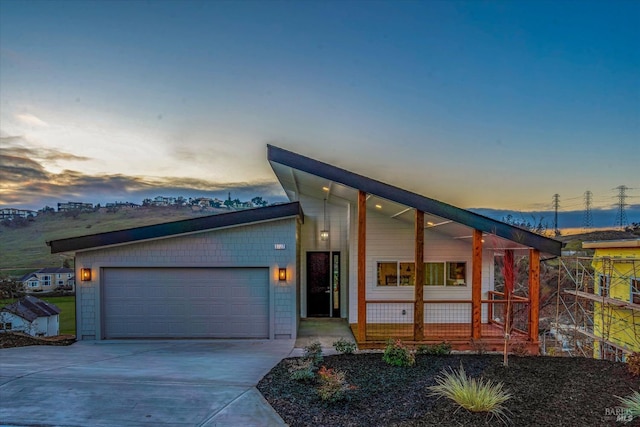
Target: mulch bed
<point x="547" y="391"/>
<point x="13" y="339"/>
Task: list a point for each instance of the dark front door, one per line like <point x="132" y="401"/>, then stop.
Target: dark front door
<point x="318" y="284"/>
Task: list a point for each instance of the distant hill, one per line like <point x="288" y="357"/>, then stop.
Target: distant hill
<point x="24" y="248"/>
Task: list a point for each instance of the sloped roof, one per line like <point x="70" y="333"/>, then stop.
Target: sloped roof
<point x="291" y="182"/>
<point x="30" y="308"/>
<point x="176" y="228"/>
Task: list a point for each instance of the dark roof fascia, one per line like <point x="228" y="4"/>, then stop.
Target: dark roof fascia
<point x="408" y="198"/>
<point x="175" y="228"/>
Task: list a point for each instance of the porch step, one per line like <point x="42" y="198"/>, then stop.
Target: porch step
<point x="324" y="330"/>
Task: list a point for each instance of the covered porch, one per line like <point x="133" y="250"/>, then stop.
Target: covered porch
<point x="416" y="268"/>
<point x="455" y="326"/>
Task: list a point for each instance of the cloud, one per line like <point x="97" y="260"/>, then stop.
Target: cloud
<point x="31" y="120"/>
<point x="29" y="185"/>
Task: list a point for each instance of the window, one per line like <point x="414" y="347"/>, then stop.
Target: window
<point x="445" y="274"/>
<point x="33" y="284"/>
<point x="434" y="273"/>
<point x="393" y="273"/>
<point x="603" y="285"/>
<point x="635" y="290"/>
<point x="46" y="280"/>
<point x="6" y="326"/>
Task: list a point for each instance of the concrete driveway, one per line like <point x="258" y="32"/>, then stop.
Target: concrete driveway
<point x="134" y="383"/>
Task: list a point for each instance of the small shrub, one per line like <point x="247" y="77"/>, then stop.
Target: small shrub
<point x="520" y="349"/>
<point x="478" y="347"/>
<point x="435" y="349"/>
<point x="471" y="394"/>
<point x="633" y="363"/>
<point x="344" y="346"/>
<point x="301" y="370"/>
<point x="333" y="386"/>
<point x="631" y="404"/>
<point x="313" y="352"/>
<point x="397" y="354"/>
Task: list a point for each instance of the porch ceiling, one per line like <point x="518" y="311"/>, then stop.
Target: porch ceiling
<point x="297" y="182"/>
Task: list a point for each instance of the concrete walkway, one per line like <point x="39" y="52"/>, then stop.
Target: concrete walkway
<point x="324" y="330"/>
<point x="139" y="383"/>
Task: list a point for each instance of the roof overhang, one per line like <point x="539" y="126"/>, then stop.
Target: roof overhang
<point x="300" y="175"/>
<point x="176" y="228"/>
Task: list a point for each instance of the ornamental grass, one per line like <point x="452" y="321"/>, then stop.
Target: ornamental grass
<point x="474" y="395"/>
<point x="632" y="404"/>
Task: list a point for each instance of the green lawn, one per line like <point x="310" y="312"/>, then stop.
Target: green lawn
<point x="67" y="306"/>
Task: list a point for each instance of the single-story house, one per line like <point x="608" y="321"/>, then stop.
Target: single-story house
<point x="31" y="316"/>
<point x="49" y="279"/>
<point x="346" y="246"/>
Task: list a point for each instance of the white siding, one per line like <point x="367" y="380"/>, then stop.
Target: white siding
<point x="338" y="226"/>
<point x="393" y="240"/>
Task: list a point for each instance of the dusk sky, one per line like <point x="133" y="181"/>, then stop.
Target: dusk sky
<point x="481" y="104"/>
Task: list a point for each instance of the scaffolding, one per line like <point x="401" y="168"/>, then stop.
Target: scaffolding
<point x="597" y="312"/>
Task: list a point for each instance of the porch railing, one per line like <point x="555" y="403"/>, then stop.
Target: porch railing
<point x="497" y="311"/>
<point x="443" y="319"/>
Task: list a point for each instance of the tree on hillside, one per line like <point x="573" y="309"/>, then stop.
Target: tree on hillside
<point x="258" y="201"/>
<point x="537" y="226"/>
<point x="10" y="288"/>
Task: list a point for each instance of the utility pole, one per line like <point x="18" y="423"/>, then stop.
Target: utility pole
<point x="588" y="219"/>
<point x="556" y="206"/>
<point x="621" y="217"/>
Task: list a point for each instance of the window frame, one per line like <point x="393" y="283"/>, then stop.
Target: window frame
<point x="408" y="280"/>
<point x="604" y="284"/>
<point x="633" y="293"/>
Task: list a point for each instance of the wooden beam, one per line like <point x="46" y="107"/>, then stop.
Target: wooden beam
<point x="534" y="294"/>
<point x="362" y="261"/>
<point x="508" y="272"/>
<point x="418" y="309"/>
<point x="476" y="286"/>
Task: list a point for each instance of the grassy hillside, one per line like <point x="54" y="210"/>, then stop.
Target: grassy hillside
<point x="24" y="249"/>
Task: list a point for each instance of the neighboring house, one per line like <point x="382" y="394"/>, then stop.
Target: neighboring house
<point x="11" y="213"/>
<point x="345" y="246"/>
<point x="31" y="316"/>
<point x="49" y="279"/>
<point x="616" y="298"/>
<point x="75" y="206"/>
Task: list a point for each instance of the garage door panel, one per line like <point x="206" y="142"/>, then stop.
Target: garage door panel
<point x="186" y="302"/>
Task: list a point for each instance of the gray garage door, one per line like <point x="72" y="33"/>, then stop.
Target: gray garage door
<point x="185" y="302"/>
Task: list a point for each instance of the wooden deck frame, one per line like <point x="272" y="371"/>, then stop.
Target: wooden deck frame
<point x="418" y="310"/>
<point x="362" y="260"/>
<point x="476" y="286"/>
<point x="534" y="294"/>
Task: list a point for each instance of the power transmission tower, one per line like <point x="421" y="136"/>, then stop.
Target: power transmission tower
<point x="556" y="206"/>
<point x="588" y="219"/>
<point x="621" y="217"/>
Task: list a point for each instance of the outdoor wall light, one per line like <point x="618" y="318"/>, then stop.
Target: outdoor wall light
<point x="324" y="233"/>
<point x="282" y="274"/>
<point x="85" y="274"/>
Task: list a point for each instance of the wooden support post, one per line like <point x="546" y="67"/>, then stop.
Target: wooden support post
<point x="508" y="271"/>
<point x="362" y="261"/>
<point x="534" y="294"/>
<point x="418" y="309"/>
<point x="476" y="286"/>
